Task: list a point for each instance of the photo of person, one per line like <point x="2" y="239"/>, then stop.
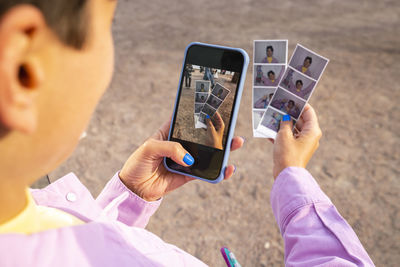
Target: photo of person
<point x="270" y="51"/>
<point x="271" y="119"/>
<point x="307" y="62"/>
<point x="268" y="75"/>
<point x="201" y="97"/>
<point x="287" y="103"/>
<point x="207" y="109"/>
<point x="297" y="83"/>
<point x="198" y="107"/>
<point x="202" y="117"/>
<point x="202" y="86"/>
<point x="214" y="101"/>
<point x="262" y="97"/>
<point x="220" y="91"/>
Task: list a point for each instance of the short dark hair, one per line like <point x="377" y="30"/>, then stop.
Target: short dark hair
<point x="67" y="18"/>
<point x="270" y="72"/>
<point x="299" y="81"/>
<point x="270" y="47"/>
<point x="291" y="101"/>
<point x="309" y="58"/>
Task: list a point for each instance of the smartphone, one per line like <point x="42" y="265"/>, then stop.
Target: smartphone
<point x="206" y="108"/>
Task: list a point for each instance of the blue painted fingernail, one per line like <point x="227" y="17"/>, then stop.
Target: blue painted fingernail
<point x="208" y="116"/>
<point x="286" y="117"/>
<point x="188" y="159"/>
<point x="234" y="166"/>
<point x="244" y="139"/>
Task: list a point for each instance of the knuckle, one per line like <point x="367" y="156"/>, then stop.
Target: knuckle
<point x="147" y="144"/>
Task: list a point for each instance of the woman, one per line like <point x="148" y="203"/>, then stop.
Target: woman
<point x="63" y="225"/>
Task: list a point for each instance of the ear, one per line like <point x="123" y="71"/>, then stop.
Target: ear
<point x="21" y="73"/>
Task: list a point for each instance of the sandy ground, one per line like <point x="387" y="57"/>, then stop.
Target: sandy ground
<point x="356" y="100"/>
<point x="185" y="125"/>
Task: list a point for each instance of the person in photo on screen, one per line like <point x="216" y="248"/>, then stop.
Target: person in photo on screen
<point x="305" y="68"/>
<point x="202" y="89"/>
<point x="219" y="93"/>
<point x="263" y="101"/>
<point x="269" y="57"/>
<point x="299" y="90"/>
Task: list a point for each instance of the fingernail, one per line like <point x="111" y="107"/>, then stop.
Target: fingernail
<point x="286" y="117"/>
<point x="234" y="170"/>
<point x="244" y="138"/>
<point x="208" y="116"/>
<point x="188" y="159"/>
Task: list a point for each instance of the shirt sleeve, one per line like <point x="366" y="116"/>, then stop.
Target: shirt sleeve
<point x="314" y="232"/>
<point x="125" y="206"/>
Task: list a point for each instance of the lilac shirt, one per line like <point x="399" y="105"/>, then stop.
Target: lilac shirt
<point x="265" y="60"/>
<point x="114" y="234"/>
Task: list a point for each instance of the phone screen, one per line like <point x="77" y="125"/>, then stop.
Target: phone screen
<point x="205" y="102"/>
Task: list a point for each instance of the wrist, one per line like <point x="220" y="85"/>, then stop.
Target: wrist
<point x="131" y="187"/>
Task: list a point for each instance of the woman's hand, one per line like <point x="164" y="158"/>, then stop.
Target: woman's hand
<point x="215" y="130"/>
<point x="144" y="172"/>
<point x="296" y="150"/>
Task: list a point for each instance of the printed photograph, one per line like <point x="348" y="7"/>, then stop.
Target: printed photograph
<point x="202" y="86"/>
<point x="198" y="107"/>
<point x="220" y="91"/>
<point x="287" y="103"/>
<point x="307" y="62"/>
<point x="214" y="101"/>
<point x="268" y="75"/>
<point x="207" y="109"/>
<point x="201" y="97"/>
<point x="270" y="51"/>
<point x="272" y="119"/>
<point x="202" y="118"/>
<point x="262" y="97"/>
<point x="297" y="83"/>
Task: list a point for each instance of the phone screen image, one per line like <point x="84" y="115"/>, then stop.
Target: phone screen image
<point x="204" y="107"/>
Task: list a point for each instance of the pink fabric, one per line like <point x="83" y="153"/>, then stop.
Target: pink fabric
<point x="113" y="235"/>
<point x="314" y="232"/>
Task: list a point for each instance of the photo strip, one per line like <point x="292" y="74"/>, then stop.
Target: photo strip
<point x="214" y="101"/>
<point x="295" y="89"/>
<point x="269" y="65"/>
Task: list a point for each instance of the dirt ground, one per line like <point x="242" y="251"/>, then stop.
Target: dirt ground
<point x="357" y="164"/>
<point x="185" y="125"/>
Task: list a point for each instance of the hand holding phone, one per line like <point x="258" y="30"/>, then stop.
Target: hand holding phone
<point x="144" y="173"/>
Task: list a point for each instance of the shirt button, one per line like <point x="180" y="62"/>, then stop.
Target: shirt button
<point x="71" y="197"/>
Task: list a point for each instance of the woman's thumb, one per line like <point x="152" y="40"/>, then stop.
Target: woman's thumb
<point x="286" y="125"/>
<point x="173" y="150"/>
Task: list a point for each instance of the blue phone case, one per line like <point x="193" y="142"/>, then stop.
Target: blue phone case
<point x="234" y="113"/>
